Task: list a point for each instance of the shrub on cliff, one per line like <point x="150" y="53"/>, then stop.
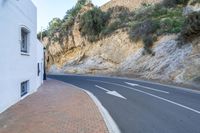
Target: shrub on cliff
<point x="191" y="28"/>
<point x="172" y="3"/>
<point x="92" y="23"/>
<point x="72" y="13"/>
<point x="150" y="21"/>
<point x="118" y="17"/>
<point x="42" y="34"/>
<point x="145" y="31"/>
<point x="63" y="26"/>
<point x="193" y="2"/>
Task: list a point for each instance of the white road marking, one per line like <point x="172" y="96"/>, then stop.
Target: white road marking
<point x="114" y="93"/>
<point x="166" y="100"/>
<point x="149" y="88"/>
<point x="102" y="88"/>
<point x="110" y="123"/>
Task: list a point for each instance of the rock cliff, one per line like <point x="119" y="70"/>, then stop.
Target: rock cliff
<point x="116" y="54"/>
<point x="131" y="4"/>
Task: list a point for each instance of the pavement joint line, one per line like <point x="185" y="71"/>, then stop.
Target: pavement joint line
<point x="149" y="88"/>
<point x="163" y="99"/>
<point x="110" y="123"/>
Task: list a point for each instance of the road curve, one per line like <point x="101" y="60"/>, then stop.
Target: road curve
<point x="143" y="107"/>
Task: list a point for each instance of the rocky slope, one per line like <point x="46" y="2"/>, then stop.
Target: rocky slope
<point x="117" y="55"/>
<point x="131" y="4"/>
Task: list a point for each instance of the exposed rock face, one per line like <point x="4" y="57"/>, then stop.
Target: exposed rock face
<point x="103" y="56"/>
<point x="167" y="64"/>
<point x="116" y="54"/>
<point x="192" y="7"/>
<point x="131" y="4"/>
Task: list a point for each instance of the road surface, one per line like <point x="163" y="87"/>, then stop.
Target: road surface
<point x="143" y="107"/>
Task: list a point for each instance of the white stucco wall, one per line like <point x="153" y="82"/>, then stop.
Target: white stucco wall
<point x="15" y="67"/>
<point x="40" y="60"/>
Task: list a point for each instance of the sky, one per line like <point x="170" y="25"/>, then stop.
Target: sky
<point x="49" y="9"/>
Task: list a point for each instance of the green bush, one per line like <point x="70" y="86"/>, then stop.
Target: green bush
<point x="190" y="29"/>
<point x="111" y="28"/>
<point x="144" y="29"/>
<point x="148" y="43"/>
<point x="72" y="13"/>
<point x="54" y="26"/>
<point x="92" y="23"/>
<point x="119" y="12"/>
<point x="171" y="25"/>
<point x="63" y="26"/>
<point x="43" y="34"/>
<point x="173" y="3"/>
<point x="193" y="2"/>
<point x="154" y="20"/>
<point x="117" y="17"/>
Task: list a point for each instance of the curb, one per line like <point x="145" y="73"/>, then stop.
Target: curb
<point x="110" y="123"/>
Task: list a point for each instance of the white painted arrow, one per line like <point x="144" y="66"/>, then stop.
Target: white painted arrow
<point x="114" y="93"/>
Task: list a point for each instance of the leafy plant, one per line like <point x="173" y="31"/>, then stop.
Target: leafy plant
<point x="190" y="29"/>
<point x="42" y="34"/>
<point x="92" y="23"/>
<point x="148" y="43"/>
<point x="193" y="2"/>
<point x="173" y="3"/>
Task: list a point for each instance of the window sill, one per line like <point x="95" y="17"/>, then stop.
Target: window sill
<point x="24" y="96"/>
<point x="25" y="54"/>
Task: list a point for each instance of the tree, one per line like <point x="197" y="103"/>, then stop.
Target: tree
<point x="54" y="26"/>
<point x="93" y="22"/>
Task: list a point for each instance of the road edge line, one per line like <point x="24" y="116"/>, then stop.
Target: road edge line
<point x="110" y="123"/>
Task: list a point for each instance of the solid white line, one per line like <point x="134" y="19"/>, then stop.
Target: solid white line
<point x="101" y="88"/>
<point x="149" y="88"/>
<point x="169" y="101"/>
<point x="110" y="123"/>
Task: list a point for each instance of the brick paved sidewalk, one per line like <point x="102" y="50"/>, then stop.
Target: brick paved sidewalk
<point x="55" y="108"/>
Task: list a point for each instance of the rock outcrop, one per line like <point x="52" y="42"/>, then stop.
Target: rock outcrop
<point x="131" y="4"/>
<point x="117" y="55"/>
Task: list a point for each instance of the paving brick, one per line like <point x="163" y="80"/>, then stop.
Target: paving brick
<point x="56" y="108"/>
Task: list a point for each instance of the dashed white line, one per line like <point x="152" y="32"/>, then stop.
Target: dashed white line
<point x="163" y="99"/>
<point x="148" y="88"/>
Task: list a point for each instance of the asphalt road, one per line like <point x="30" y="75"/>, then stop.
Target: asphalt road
<point x="143" y="107"/>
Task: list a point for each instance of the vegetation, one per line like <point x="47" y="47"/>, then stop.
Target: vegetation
<point x="193" y="2"/>
<point x="62" y="26"/>
<point x="145" y="23"/>
<point x="151" y="21"/>
<point x="191" y="28"/>
<point x="92" y="23"/>
<point x="173" y="3"/>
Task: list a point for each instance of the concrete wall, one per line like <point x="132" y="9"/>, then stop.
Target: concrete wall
<point x="16" y="67"/>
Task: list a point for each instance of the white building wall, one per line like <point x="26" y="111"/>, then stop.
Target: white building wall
<point x="15" y="67"/>
<point x="40" y="60"/>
